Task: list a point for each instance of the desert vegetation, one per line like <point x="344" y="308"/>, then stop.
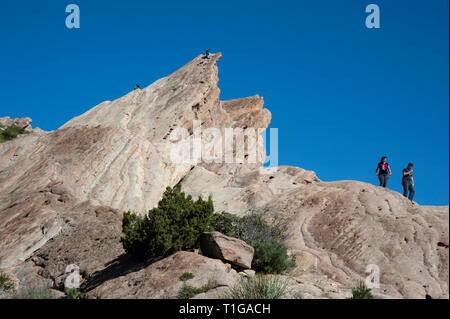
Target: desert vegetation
<point x="6" y="284"/>
<point x="35" y="293"/>
<point x="270" y="253"/>
<point x="72" y="293"/>
<point x="186" y="276"/>
<point x="361" y="292"/>
<point x="188" y="291"/>
<point x="11" y="132"/>
<point x="176" y="224"/>
<point x="178" y="221"/>
<point x="258" y="287"/>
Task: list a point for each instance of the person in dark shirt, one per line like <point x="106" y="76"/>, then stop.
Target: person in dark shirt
<point x="408" y="182"/>
<point x="383" y="171"/>
<point x="207" y="53"/>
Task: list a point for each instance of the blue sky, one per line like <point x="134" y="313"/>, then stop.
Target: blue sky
<point x="341" y="95"/>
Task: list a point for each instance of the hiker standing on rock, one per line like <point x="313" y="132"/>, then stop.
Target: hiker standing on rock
<point x="207" y="53"/>
<point x="383" y="171"/>
<point x="408" y="182"/>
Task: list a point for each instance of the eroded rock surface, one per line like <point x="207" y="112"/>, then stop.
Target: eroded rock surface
<point x="233" y="250"/>
<point x="117" y="154"/>
<point x="22" y="122"/>
<point x="62" y="195"/>
<point x="162" y="278"/>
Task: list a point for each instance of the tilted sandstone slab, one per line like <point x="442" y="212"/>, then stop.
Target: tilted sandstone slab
<point x="229" y="249"/>
<point x="117" y="154"/>
<point x="161" y="280"/>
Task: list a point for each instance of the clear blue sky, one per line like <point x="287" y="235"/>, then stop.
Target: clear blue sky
<point x="340" y="94"/>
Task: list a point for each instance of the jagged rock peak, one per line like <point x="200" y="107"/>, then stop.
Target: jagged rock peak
<point x="116" y="154"/>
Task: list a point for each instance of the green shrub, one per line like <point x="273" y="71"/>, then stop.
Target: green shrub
<point x="148" y="236"/>
<point x="186" y="276"/>
<point x="187" y="291"/>
<point x="72" y="293"/>
<point x="176" y="224"/>
<point x="252" y="229"/>
<point x="258" y="287"/>
<point x="270" y="254"/>
<point x="178" y="221"/>
<point x="271" y="257"/>
<point x="6" y="283"/>
<point x="10" y="133"/>
<point x="361" y="292"/>
<point x="225" y="223"/>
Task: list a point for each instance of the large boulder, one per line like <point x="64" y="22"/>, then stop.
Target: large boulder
<point x="233" y="250"/>
<point x="161" y="280"/>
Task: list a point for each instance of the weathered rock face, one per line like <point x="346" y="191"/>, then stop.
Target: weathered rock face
<point x="117" y="154"/>
<point x="340" y="228"/>
<point x="62" y="194"/>
<point x="233" y="250"/>
<point x="22" y="122"/>
<point x="162" y="278"/>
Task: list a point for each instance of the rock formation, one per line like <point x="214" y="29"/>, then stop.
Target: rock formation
<point x="22" y="122"/>
<point x="62" y="195"/>
<point x="232" y="250"/>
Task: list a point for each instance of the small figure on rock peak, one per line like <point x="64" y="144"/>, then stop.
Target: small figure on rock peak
<point x="408" y="182"/>
<point x="207" y="53"/>
<point x="137" y="87"/>
<point x="384" y="171"/>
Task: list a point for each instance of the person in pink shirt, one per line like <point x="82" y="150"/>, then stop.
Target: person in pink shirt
<point x="383" y="171"/>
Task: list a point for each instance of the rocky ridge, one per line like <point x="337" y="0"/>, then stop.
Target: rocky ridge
<point x="62" y="195"/>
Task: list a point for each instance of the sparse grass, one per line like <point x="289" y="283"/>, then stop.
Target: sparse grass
<point x="35" y="293"/>
<point x="361" y="292"/>
<point x="6" y="283"/>
<point x="186" y="276"/>
<point x="258" y="287"/>
<point x="187" y="291"/>
<point x="72" y="293"/>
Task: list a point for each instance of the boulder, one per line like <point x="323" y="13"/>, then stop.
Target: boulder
<point x="161" y="280"/>
<point x="249" y="272"/>
<point x="233" y="250"/>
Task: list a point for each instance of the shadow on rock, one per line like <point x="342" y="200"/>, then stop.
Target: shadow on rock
<point x="120" y="266"/>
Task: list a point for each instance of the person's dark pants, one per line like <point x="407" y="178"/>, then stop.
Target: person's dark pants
<point x="383" y="179"/>
<point x="408" y="186"/>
